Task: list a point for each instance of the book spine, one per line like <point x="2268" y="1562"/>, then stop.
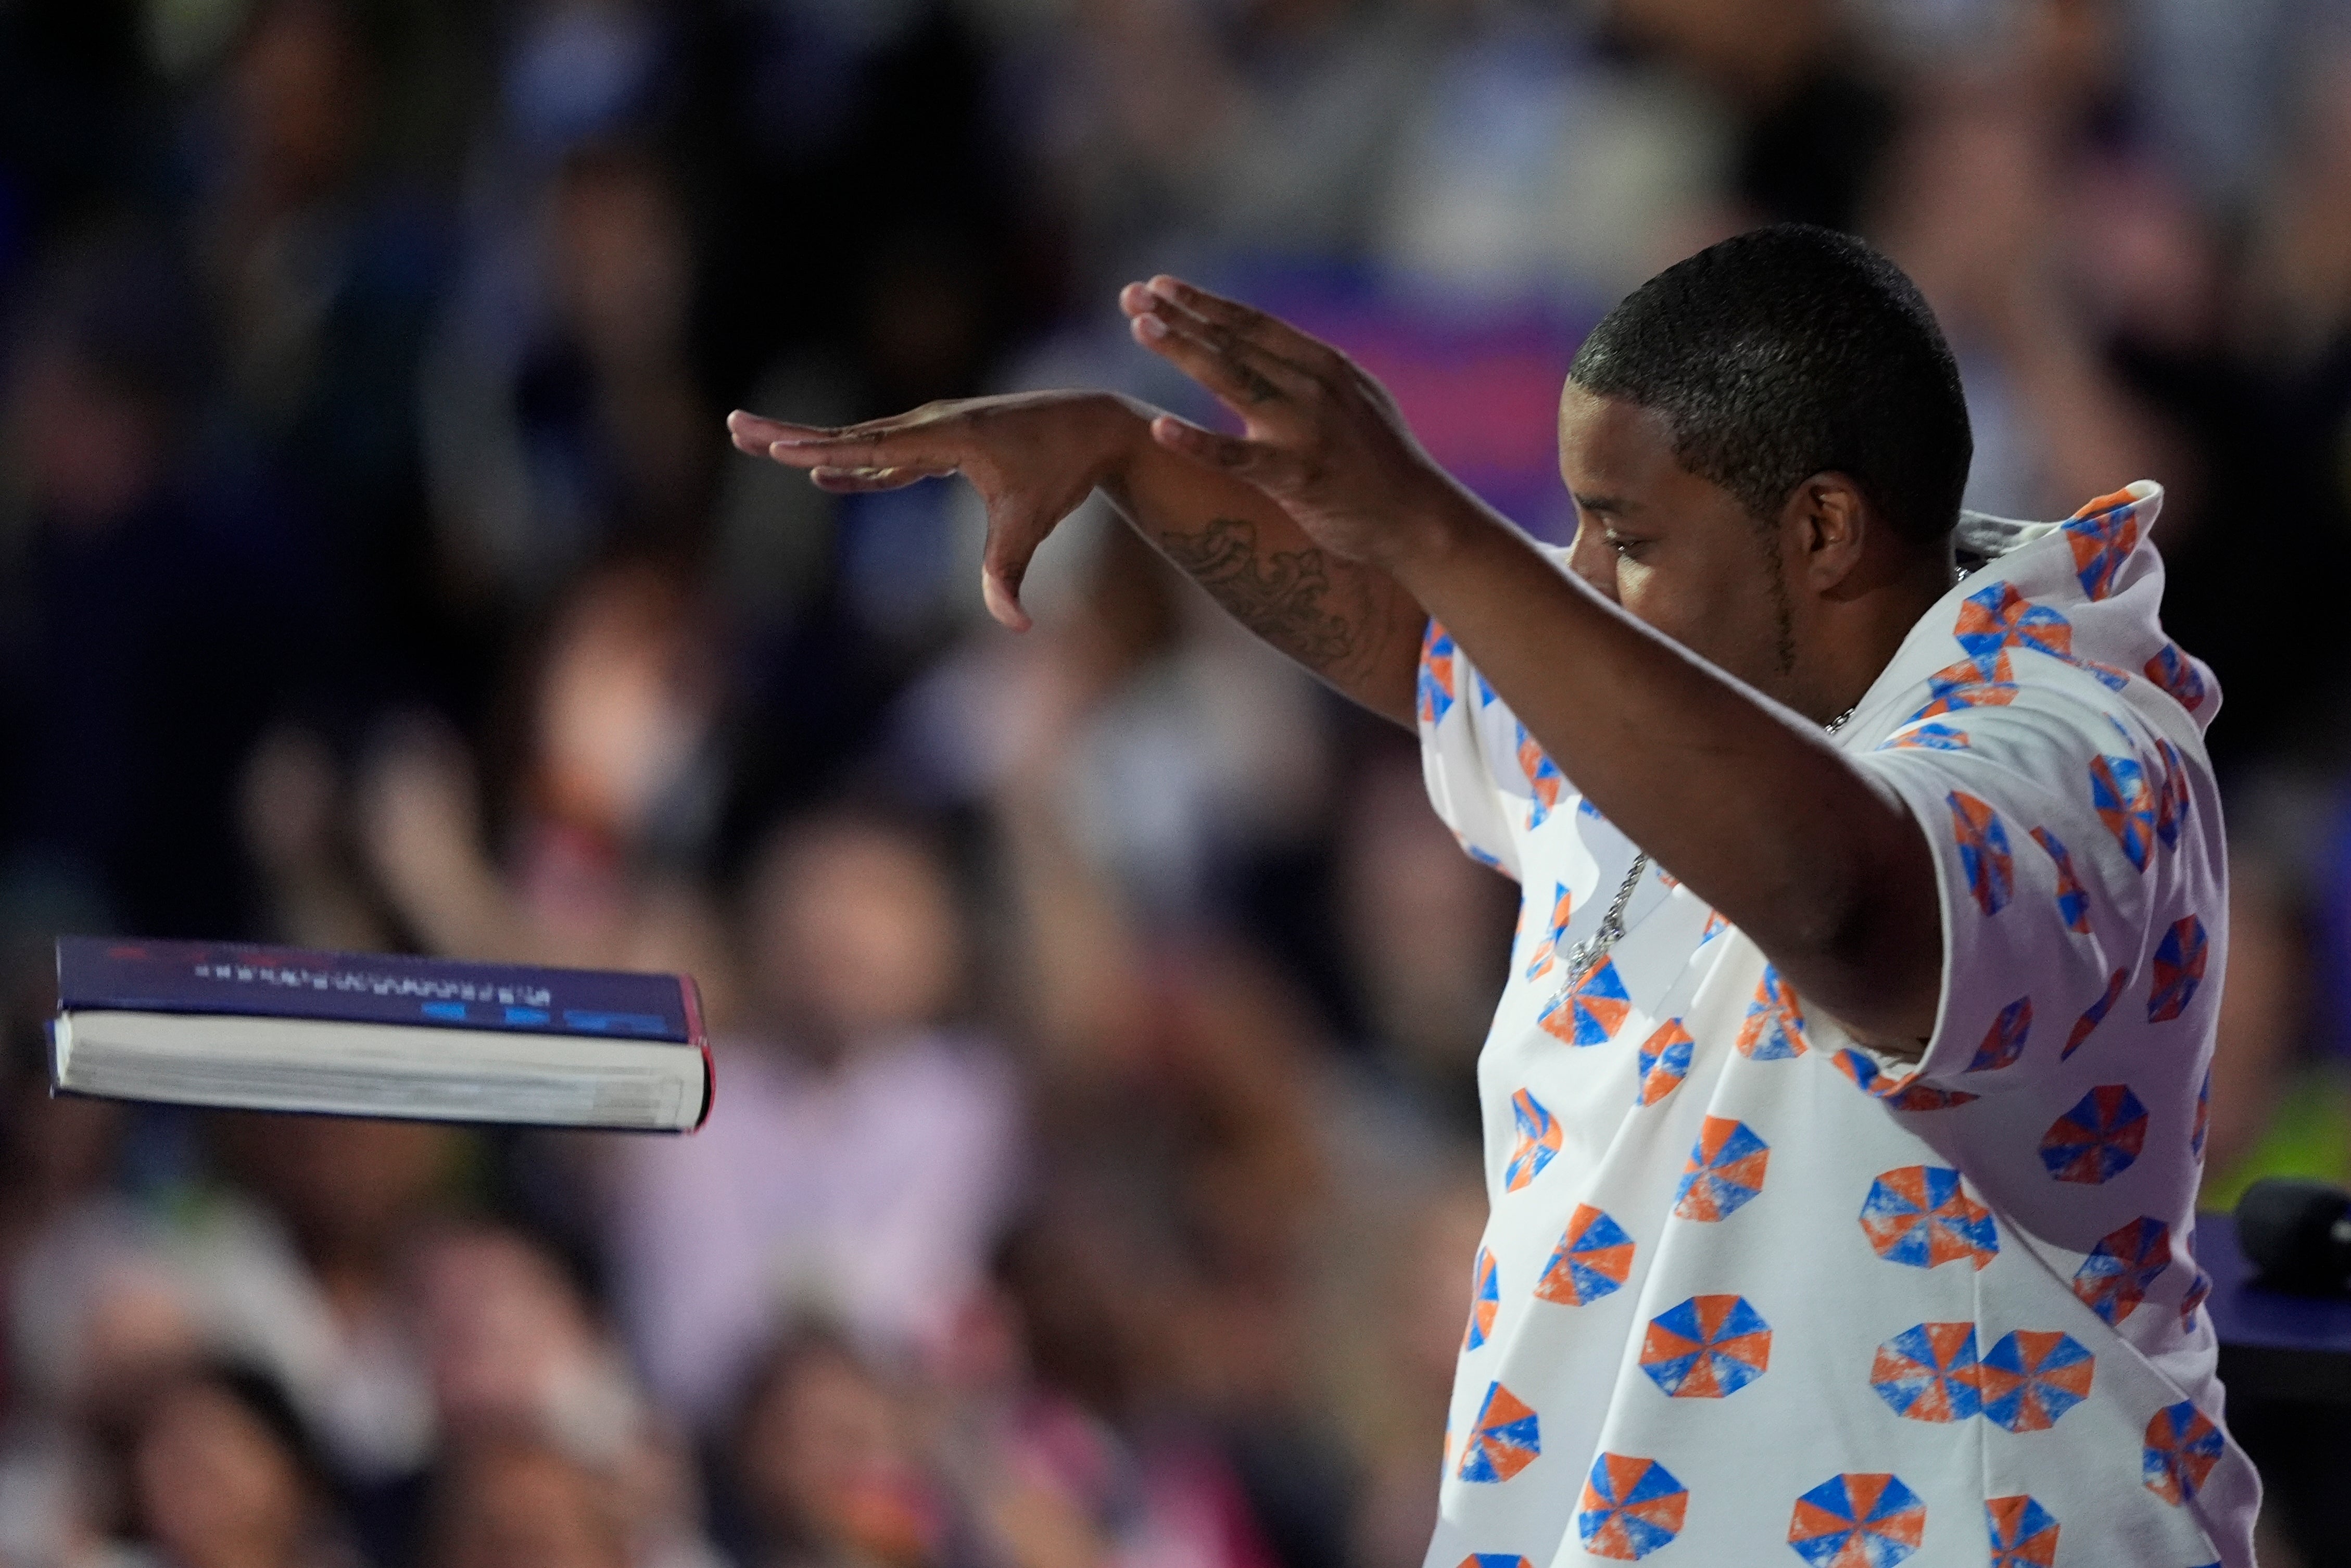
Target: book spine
<point x="161" y="976"/>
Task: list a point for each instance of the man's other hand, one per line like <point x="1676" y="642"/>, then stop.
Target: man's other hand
<point x="1321" y="438"/>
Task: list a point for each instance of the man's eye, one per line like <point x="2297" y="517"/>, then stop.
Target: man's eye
<point x="1623" y="546"/>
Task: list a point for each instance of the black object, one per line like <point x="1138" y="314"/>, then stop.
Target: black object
<point x="2297" y="1233"/>
<point x="2286" y="1361"/>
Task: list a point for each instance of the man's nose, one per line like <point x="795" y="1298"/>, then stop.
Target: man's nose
<point x="1590" y="557"/>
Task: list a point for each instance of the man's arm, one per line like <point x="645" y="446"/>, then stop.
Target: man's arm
<point x="1747" y="802"/>
<point x="1346" y="620"/>
<point x="1751" y="804"/>
<point x="1035" y="457"/>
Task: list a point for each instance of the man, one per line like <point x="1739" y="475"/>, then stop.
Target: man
<point x="1845" y="1107"/>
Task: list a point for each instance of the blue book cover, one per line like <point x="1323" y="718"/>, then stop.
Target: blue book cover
<point x="257" y="981"/>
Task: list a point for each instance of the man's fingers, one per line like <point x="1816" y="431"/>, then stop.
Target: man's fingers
<point x="888" y="449"/>
<point x="1253" y="461"/>
<point x="1143" y="305"/>
<point x="754" y="433"/>
<point x="1003" y="564"/>
<point x="893" y="442"/>
<point x="1244" y="378"/>
<point x="859" y="481"/>
<point x="1269" y="333"/>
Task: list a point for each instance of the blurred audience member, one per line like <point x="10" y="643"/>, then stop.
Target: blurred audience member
<point x="1118" y="1453"/>
<point x="1533" y="166"/>
<point x="517" y="1502"/>
<point x="512" y="1348"/>
<point x="867" y="1155"/>
<point x="1392" y="1361"/>
<point x="1812" y="120"/>
<point x="825" y="1461"/>
<point x="570" y="428"/>
<point x="2301" y="276"/>
<point x="1129" y="111"/>
<point x="1969" y="208"/>
<point x="155" y="600"/>
<point x="295" y="811"/>
<point x="2264" y="1052"/>
<point x="300" y="1270"/>
<point x="1164" y="1273"/>
<point x="611" y="809"/>
<point x="1427" y="933"/>
<point x="1171" y="748"/>
<point x="223" y="1476"/>
<point x="510" y="1344"/>
<point x="322" y="262"/>
<point x="97" y="1317"/>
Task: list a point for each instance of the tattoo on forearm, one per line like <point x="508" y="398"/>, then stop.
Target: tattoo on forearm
<point x="1283" y="596"/>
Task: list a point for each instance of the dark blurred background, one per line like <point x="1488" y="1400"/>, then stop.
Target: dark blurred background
<point x="1094" y="1180"/>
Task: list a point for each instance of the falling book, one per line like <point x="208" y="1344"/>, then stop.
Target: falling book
<point x="374" y="1034"/>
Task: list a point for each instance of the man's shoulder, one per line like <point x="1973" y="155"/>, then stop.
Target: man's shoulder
<point x="2055" y="632"/>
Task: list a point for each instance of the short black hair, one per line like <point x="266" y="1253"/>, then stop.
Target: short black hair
<point x="1788" y="351"/>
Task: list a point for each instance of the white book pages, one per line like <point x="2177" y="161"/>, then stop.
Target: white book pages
<point x="378" y="1070"/>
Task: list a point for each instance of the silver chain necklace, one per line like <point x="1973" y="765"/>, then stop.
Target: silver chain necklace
<point x="1586" y="953"/>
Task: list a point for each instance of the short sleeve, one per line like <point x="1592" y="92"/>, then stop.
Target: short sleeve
<point x="1450" y="704"/>
<point x="2075" y="844"/>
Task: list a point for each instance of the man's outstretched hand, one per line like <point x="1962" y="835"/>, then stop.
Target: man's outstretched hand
<point x="1033" y="458"/>
<point x="1321" y="438"/>
<point x="1292" y="526"/>
<point x="1322" y="444"/>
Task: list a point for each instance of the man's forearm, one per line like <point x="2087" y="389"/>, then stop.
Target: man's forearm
<point x="1349" y="622"/>
<point x="1746" y="801"/>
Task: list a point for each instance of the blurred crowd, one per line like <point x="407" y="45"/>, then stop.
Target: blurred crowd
<point x="1095" y="1173"/>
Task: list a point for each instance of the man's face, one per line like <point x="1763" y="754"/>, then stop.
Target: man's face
<point x="1678" y="552"/>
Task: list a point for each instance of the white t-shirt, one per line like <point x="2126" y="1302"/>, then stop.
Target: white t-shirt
<point x="1746" y="1288"/>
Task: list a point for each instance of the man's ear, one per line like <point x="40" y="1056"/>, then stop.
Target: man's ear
<point x="1830" y="523"/>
